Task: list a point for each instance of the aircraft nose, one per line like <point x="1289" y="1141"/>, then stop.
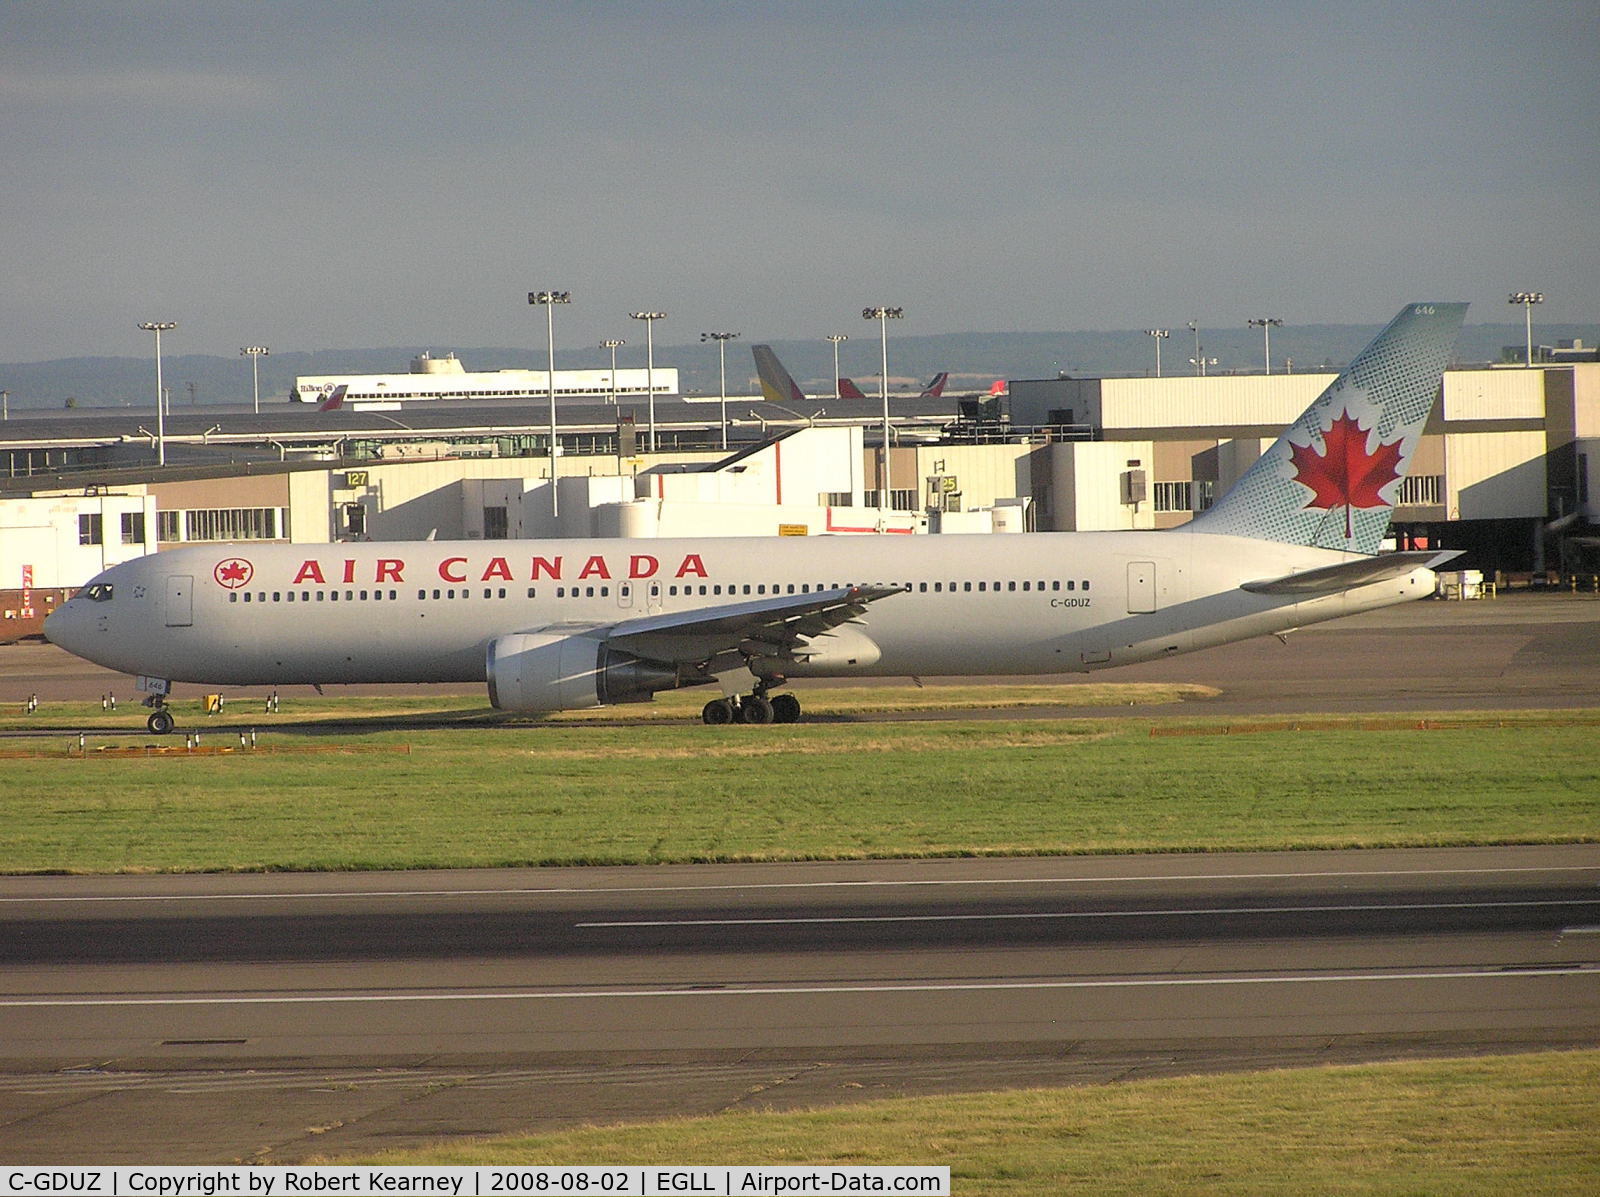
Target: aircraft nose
<point x="59" y="624"/>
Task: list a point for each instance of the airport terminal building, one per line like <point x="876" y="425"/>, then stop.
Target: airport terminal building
<point x="1508" y="470"/>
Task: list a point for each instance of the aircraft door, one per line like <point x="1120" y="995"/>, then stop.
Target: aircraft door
<point x="180" y="600"/>
<point x="1141" y="587"/>
<point x="652" y="597"/>
<point x="625" y="596"/>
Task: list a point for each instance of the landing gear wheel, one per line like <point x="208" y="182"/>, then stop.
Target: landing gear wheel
<point x="755" y="708"/>
<point x="785" y="708"/>
<point x="717" y="712"/>
<point x="161" y="722"/>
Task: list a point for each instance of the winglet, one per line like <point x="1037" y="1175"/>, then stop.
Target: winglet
<point x="1331" y="481"/>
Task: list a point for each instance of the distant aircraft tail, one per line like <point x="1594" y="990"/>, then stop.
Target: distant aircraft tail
<point x="849" y="390"/>
<point x="1331" y="481"/>
<point x="335" y="399"/>
<point x="935" y="388"/>
<point x="776" y="384"/>
<point x="998" y="388"/>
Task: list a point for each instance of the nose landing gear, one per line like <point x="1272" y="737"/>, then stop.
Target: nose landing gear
<point x="161" y="721"/>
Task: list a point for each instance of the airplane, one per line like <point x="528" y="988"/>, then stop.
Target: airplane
<point x="554" y="625"/>
<point x="934" y="389"/>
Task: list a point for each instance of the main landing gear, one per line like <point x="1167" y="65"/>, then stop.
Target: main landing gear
<point x="752" y="708"/>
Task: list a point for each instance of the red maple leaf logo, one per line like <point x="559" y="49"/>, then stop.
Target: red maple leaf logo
<point x="1344" y="474"/>
<point x="234" y="573"/>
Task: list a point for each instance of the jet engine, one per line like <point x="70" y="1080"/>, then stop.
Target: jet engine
<point x="545" y="671"/>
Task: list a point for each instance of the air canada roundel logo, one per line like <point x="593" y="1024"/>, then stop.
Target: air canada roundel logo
<point x="234" y="573"/>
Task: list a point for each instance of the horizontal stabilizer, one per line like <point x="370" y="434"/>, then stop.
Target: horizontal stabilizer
<point x="1347" y="575"/>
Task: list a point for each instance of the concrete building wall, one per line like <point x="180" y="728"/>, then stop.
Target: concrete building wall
<point x="1499" y="476"/>
<point x="1086" y="486"/>
<point x="1493" y="395"/>
<point x="65" y="540"/>
<point x="984" y="474"/>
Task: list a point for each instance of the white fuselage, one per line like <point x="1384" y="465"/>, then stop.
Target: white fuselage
<point x="279" y="614"/>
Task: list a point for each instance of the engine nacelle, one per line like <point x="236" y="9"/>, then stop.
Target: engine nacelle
<point x="553" y="671"/>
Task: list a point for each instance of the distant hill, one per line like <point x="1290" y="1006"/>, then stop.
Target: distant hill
<point x="973" y="359"/>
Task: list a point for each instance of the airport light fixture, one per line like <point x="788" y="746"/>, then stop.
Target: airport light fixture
<point x="1266" y="324"/>
<point x="722" y="339"/>
<point x="5" y="405"/>
<point x="836" y="338"/>
<point x="613" y="344"/>
<point x="883" y="316"/>
<point x="650" y="319"/>
<point x="158" y="327"/>
<point x="548" y="300"/>
<point x="255" y="353"/>
<point x="1527" y="299"/>
<point x="1160" y="335"/>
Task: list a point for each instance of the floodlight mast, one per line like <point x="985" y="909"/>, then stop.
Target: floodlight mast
<point x="1160" y="334"/>
<point x="255" y="353"/>
<point x="158" y="327"/>
<point x="650" y="319"/>
<point x="613" y="344"/>
<point x="836" y="338"/>
<point x="1266" y="324"/>
<point x="722" y="339"/>
<point x="547" y="300"/>
<point x="883" y="315"/>
<point x="1527" y="299"/>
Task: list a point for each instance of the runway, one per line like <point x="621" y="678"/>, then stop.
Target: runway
<point x="1517" y="651"/>
<point x="273" y="1018"/>
<point x="335" y="1013"/>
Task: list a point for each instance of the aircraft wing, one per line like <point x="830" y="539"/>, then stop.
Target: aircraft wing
<point x="1347" y="575"/>
<point x="775" y="626"/>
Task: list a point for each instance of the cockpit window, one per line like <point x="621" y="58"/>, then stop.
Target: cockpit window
<point x="100" y="592"/>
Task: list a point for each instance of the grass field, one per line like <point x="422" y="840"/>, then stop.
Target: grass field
<point x="1507" y="1125"/>
<point x="464" y="788"/>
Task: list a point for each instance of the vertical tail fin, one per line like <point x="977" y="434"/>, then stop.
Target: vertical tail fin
<point x="776" y="385"/>
<point x="935" y="388"/>
<point x="335" y="400"/>
<point x="1332" y="479"/>
<point x="849" y="390"/>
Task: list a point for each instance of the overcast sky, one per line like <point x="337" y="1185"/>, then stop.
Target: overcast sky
<point x="403" y="172"/>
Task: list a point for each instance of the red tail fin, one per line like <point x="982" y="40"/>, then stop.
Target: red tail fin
<point x="335" y="400"/>
<point x="936" y="388"/>
<point x="999" y="388"/>
<point x="849" y="390"/>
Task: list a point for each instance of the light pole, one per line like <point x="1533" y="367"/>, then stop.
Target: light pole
<point x="158" y="327"/>
<point x="1196" y="360"/>
<point x="722" y="339"/>
<point x="1266" y="324"/>
<point x="1160" y="335"/>
<point x="836" y="338"/>
<point x="5" y="405"/>
<point x="613" y="344"/>
<point x="883" y="316"/>
<point x="548" y="300"/>
<point x="255" y="353"/>
<point x="650" y="319"/>
<point x="1527" y="299"/>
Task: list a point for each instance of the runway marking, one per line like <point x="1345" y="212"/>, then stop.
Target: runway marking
<point x="782" y="990"/>
<point x="325" y="895"/>
<point x="1083" y="914"/>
